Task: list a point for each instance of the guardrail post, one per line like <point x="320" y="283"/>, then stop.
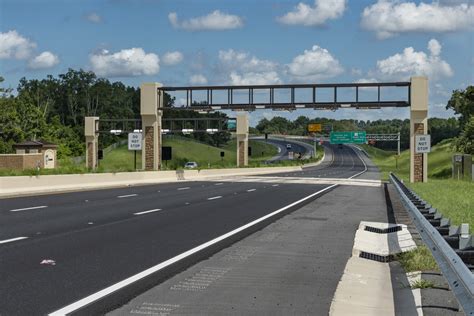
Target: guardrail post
<point x="448" y="256"/>
<point x="242" y="134"/>
<point x="418" y="125"/>
<point x="151" y="103"/>
<point x="91" y="126"/>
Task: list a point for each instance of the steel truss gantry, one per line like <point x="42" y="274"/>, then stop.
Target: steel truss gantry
<point x="385" y="138"/>
<point x="312" y="103"/>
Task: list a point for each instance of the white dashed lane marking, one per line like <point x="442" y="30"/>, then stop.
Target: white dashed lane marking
<point x="215" y="197"/>
<point x="11" y="240"/>
<point x="220" y="183"/>
<point x="275" y="185"/>
<point x="28" y="208"/>
<point x="251" y="190"/>
<point x="126" y="196"/>
<point x="146" y="212"/>
<point x="185" y="188"/>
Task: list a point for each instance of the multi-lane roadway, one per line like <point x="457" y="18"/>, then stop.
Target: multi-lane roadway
<point x="58" y="249"/>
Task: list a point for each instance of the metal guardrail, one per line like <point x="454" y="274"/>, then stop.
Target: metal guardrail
<point x="440" y="238"/>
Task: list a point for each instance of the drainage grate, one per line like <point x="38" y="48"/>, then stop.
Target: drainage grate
<point x="384" y="230"/>
<point x="374" y="257"/>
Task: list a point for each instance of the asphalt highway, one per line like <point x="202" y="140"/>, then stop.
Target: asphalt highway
<point x="98" y="238"/>
<point x="283" y="153"/>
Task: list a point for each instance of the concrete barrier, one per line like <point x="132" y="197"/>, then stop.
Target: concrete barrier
<point x="28" y="185"/>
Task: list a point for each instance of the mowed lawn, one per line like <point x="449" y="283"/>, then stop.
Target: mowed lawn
<point x="453" y="198"/>
<point x="183" y="150"/>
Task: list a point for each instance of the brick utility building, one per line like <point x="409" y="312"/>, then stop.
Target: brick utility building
<point x="30" y="154"/>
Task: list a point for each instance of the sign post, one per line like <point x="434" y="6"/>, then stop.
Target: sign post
<point x="135" y="143"/>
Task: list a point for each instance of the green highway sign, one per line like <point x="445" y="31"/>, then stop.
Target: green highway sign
<point x="348" y="137"/>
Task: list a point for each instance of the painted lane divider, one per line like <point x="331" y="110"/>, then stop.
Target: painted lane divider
<point x="185" y="188"/>
<point x="215" y="197"/>
<point x="146" y="212"/>
<point x="275" y="185"/>
<point x="251" y="190"/>
<point x="28" y="208"/>
<point x="220" y="183"/>
<point x="11" y="240"/>
<point x="126" y="196"/>
<point x="141" y="275"/>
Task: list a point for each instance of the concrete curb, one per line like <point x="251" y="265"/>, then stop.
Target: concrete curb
<point x="374" y="286"/>
<point x="32" y="185"/>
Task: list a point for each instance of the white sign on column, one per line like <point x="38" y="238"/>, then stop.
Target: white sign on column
<point x="134" y="141"/>
<point x="422" y="144"/>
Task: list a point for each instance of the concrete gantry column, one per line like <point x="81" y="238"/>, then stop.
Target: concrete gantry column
<point x="91" y="127"/>
<point x="418" y="125"/>
<point x="151" y="103"/>
<point x="242" y="140"/>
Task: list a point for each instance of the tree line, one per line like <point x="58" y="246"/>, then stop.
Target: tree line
<point x="54" y="108"/>
<point x="438" y="128"/>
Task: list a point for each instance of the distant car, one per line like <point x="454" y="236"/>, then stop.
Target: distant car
<point x="339" y="146"/>
<point x="191" y="165"/>
<point x="288" y="146"/>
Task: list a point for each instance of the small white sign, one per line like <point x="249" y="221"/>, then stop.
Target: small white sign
<point x="422" y="144"/>
<point x="134" y="141"/>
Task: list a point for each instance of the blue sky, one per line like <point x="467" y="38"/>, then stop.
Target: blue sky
<point x="233" y="42"/>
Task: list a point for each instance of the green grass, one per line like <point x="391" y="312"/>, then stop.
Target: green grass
<point x="451" y="197"/>
<point x="121" y="159"/>
<point x="439" y="161"/>
<point x="419" y="259"/>
<point x="422" y="284"/>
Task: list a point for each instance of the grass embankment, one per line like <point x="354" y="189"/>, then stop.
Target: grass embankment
<point x="439" y="161"/>
<point x="121" y="159"/>
<point x="451" y="197"/>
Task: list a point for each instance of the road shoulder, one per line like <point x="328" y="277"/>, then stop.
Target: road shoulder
<point x="290" y="267"/>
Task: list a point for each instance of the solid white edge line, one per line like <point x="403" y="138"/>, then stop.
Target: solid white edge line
<point x="117" y="286"/>
<point x="126" y="196"/>
<point x="215" y="197"/>
<point x="146" y="212"/>
<point x="11" y="240"/>
<point x="362" y="159"/>
<point x="28" y="208"/>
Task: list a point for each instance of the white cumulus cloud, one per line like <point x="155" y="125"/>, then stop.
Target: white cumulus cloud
<point x="13" y="45"/>
<point x="245" y="69"/>
<point x="322" y="11"/>
<point x="214" y="21"/>
<point x="172" y="58"/>
<point x="314" y="64"/>
<point x="125" y="63"/>
<point x="254" y="78"/>
<point x="43" y="61"/>
<point x="198" y="79"/>
<point x="93" y="17"/>
<point x="388" y="18"/>
<point x="411" y="63"/>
